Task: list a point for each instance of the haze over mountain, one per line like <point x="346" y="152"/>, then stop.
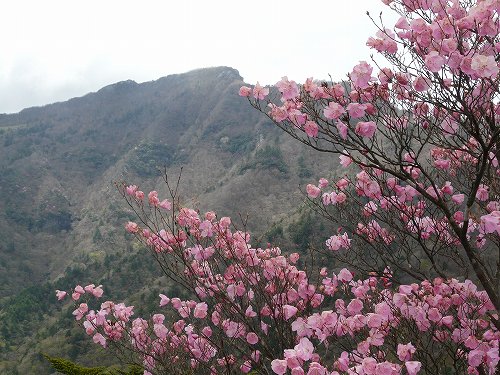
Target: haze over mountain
<point x="61" y="218"/>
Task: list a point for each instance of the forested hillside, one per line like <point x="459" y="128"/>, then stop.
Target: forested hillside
<point x="61" y="218"/>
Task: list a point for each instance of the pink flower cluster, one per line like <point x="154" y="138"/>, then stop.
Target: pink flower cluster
<point x="247" y="296"/>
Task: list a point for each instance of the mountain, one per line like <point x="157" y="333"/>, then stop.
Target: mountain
<point x="61" y="217"/>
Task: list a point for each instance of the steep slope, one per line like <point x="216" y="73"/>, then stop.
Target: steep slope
<point x="61" y="219"/>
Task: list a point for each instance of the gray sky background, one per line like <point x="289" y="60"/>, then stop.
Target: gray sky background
<point x="57" y="49"/>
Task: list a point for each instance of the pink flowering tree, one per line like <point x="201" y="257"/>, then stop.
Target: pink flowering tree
<point x="254" y="309"/>
<point x="416" y="216"/>
<point x="417" y="131"/>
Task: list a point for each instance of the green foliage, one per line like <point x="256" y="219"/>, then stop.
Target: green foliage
<point x="239" y="144"/>
<point x="148" y="157"/>
<point x="303" y="171"/>
<point x="97" y="237"/>
<point x="268" y="158"/>
<point x="67" y="367"/>
<point x="275" y="233"/>
<point x="301" y="231"/>
<point x="93" y="158"/>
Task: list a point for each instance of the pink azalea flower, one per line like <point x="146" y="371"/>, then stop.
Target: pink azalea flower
<point x="164" y="300"/>
<point x="421" y="84"/>
<point x="153" y="198"/>
<point x="482" y="193"/>
<point x="289" y="311"/>
<point x="99" y="339"/>
<point x="365" y="129"/>
<point x="491" y="223"/>
<point x="97" y="291"/>
<point x="131" y="189"/>
<point x="344" y="275"/>
<point x="166" y="204"/>
<point x="311" y="129"/>
<point x="304" y="349"/>
<point x="131" y="227"/>
<point x="345" y="160"/>
<point x="279" y="366"/>
<point x="342" y="129"/>
<point x="79" y="289"/>
<point x="245" y="91"/>
<point x="361" y="75"/>
<point x="313" y="191"/>
<point x="484" y="66"/>
<point x="60" y="294"/>
<point x="413" y="367"/>
<point x="288" y="89"/>
<point x="434" y="61"/>
<point x="252" y="338"/>
<point x="200" y="311"/>
<point x="333" y="111"/>
<point x="405" y="351"/>
<point x="260" y="92"/>
<point x="356" y="110"/>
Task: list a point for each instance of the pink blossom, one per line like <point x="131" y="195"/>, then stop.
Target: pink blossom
<point x="491" y="223"/>
<point x="458" y="198"/>
<point x="361" y="74"/>
<point x="288" y="89"/>
<point x="337" y="242"/>
<point x="484" y="66"/>
<point x="344" y="275"/>
<point x="421" y="84"/>
<point x="434" y="61"/>
<point x="289" y="311"/>
<point x="342" y="183"/>
<point x="442" y="164"/>
<point x="99" y="339"/>
<point x="405" y="351"/>
<point x="75" y="296"/>
<point x="298" y="371"/>
<point x="166" y="204"/>
<point x="252" y="338"/>
<point x="131" y="227"/>
<point x="260" y="92"/>
<point x="153" y="198"/>
<point x="97" y="291"/>
<point x="278" y="114"/>
<point x="313" y="191"/>
<point x="342" y="129"/>
<point x="333" y="111"/>
<point x="294" y="257"/>
<point x="323" y="183"/>
<point x="60" y="294"/>
<point x="200" y="310"/>
<point x="482" y="193"/>
<point x="356" y="110"/>
<point x="366" y="129"/>
<point x="279" y="366"/>
<point x="345" y="160"/>
<point x="355" y="306"/>
<point x="79" y="289"/>
<point x="316" y="369"/>
<point x="164" y="300"/>
<point x="245" y="91"/>
<point x="311" y="129"/>
<point x="413" y="367"/>
<point x="341" y="198"/>
<point x="304" y="349"/>
<point x="131" y="189"/>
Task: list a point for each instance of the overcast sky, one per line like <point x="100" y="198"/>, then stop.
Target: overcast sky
<point x="54" y="50"/>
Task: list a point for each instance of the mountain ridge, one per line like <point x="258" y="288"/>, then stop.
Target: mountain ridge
<point x="61" y="219"/>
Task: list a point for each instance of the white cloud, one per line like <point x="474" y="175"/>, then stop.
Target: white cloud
<point x="57" y="49"/>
